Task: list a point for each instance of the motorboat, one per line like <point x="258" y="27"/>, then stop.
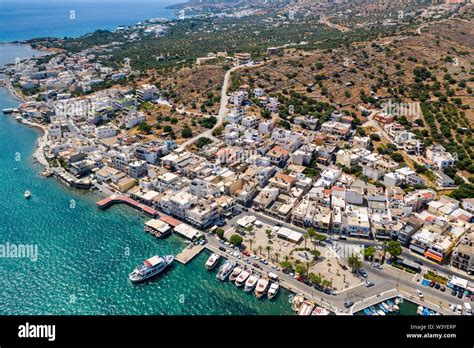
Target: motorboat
<point x="27" y="194"/>
<point x="251" y="282"/>
<point x="212" y="261"/>
<point x="306" y="308"/>
<point x="261" y="287"/>
<point x="297" y="302"/>
<point x="225" y="270"/>
<point x="240" y="280"/>
<point x="320" y="311"/>
<point x="235" y="273"/>
<point x="273" y="290"/>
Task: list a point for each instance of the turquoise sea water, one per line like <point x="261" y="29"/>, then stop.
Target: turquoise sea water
<point x="26" y="19"/>
<point x="85" y="255"/>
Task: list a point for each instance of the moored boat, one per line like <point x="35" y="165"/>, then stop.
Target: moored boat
<point x="225" y="270"/>
<point x="419" y="310"/>
<point x="235" y="273"/>
<point x="27" y="194"/>
<point x="380" y="312"/>
<point x="150" y="268"/>
<point x="240" y="281"/>
<point x="212" y="261"/>
<point x="387" y="307"/>
<point x="261" y="287"/>
<point x="320" y="311"/>
<point x="382" y="308"/>
<point x="393" y="305"/>
<point x="306" y="308"/>
<point x="297" y="302"/>
<point x="273" y="290"/>
<point x="251" y="282"/>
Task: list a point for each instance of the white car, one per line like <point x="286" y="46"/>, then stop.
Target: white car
<point x="419" y="293"/>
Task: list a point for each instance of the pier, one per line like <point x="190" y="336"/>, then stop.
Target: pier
<point x="118" y="199"/>
<point x="189" y="253"/>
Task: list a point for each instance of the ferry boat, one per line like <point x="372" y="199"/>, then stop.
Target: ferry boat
<point x="27" y="194"/>
<point x="251" y="282"/>
<point x="235" y="273"/>
<point x="262" y="286"/>
<point x="150" y="268"/>
<point x="297" y="302"/>
<point x="240" y="280"/>
<point x="273" y="290"/>
<point x="225" y="270"/>
<point x="306" y="308"/>
<point x="212" y="261"/>
<point x="320" y="311"/>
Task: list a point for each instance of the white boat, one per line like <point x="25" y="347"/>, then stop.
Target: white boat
<point x="240" y="280"/>
<point x="225" y="270"/>
<point x="27" y="194"/>
<point x="320" y="311"/>
<point x="397" y="300"/>
<point x="306" y="308"/>
<point x="380" y="312"/>
<point x="387" y="307"/>
<point x="150" y="268"/>
<point x="419" y="310"/>
<point x="212" y="261"/>
<point x="262" y="286"/>
<point x="235" y="273"/>
<point x="297" y="302"/>
<point x="273" y="290"/>
<point x="251" y="282"/>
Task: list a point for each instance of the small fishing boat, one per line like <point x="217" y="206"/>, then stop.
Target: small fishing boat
<point x="367" y="311"/>
<point x="382" y="308"/>
<point x="393" y="305"/>
<point x="27" y="194"/>
<point x="380" y="312"/>
<point x="387" y="307"/>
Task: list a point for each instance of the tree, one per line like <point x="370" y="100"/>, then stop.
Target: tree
<point x="301" y="269"/>
<point x="394" y="248"/>
<point x="144" y="127"/>
<point x="268" y="248"/>
<point x="203" y="141"/>
<point x="220" y="233"/>
<point x="397" y="157"/>
<point x="354" y="263"/>
<point x="236" y="239"/>
<point x="375" y="137"/>
<point x="311" y="233"/>
<point x="251" y="240"/>
<point x="287" y="266"/>
<point x="276" y="256"/>
<point x="369" y="252"/>
<point x="186" y="132"/>
<point x="314" y="278"/>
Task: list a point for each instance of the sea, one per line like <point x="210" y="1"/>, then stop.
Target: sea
<point x="27" y="19"/>
<point x="77" y="258"/>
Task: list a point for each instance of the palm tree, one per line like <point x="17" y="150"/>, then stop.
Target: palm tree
<point x="311" y="233"/>
<point x="276" y="255"/>
<point x="305" y="236"/>
<point x="268" y="248"/>
<point x="251" y="240"/>
<point x="260" y="249"/>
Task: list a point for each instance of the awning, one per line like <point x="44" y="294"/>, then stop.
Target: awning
<point x="433" y="256"/>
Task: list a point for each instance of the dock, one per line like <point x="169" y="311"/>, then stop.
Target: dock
<point x="189" y="253"/>
<point x="119" y="199"/>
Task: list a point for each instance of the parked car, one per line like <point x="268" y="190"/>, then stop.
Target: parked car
<point x="363" y="273"/>
<point x="246" y="253"/>
<point x="460" y="294"/>
<point x="418" y="262"/>
<point x="454" y="292"/>
<point x="203" y="241"/>
<point x="348" y="303"/>
<point x="437" y="286"/>
<point x="432" y="283"/>
<point x="442" y="289"/>
<point x="343" y="238"/>
<point x="419" y="293"/>
<point x="221" y="248"/>
<point x="256" y="265"/>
